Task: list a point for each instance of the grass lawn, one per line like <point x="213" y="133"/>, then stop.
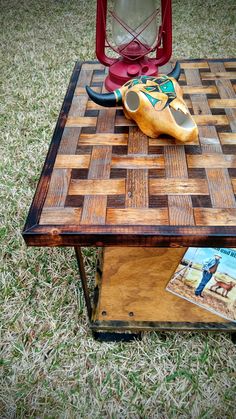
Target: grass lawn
<point x="50" y="365"/>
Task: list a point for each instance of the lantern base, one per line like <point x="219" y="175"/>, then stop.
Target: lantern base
<point x="122" y="71"/>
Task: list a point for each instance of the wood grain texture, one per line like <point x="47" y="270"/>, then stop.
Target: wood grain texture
<point x="218" y="75"/>
<point x="178" y="187"/>
<point x="195" y="90"/>
<point x="65" y="161"/>
<point x="193" y="64"/>
<point x="69" y="141"/>
<point x="215" y="160"/>
<point x="226" y="90"/>
<point x="97" y="187"/>
<point x="222" y="103"/>
<point x="215" y="216"/>
<point x="59" y="216"/>
<point x="43" y="184"/>
<point x="227" y="137"/>
<point x="58" y="188"/>
<point x="180" y="207"/>
<point x="81" y="121"/>
<point x="138" y="162"/>
<point x="137" y="216"/>
<point x="133" y="289"/>
<point x="219" y="183"/>
<point x="137" y="179"/>
<point x="229" y="64"/>
<point x="213" y="120"/>
<point x="133" y="190"/>
<point x="94" y="208"/>
<point x="220" y="188"/>
<point x="104" y="139"/>
<point x="122" y="121"/>
<point x="70" y="136"/>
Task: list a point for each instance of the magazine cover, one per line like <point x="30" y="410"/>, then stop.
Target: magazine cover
<point x="207" y="277"/>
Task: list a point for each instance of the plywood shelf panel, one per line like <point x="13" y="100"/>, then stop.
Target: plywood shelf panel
<point x="132" y="292"/>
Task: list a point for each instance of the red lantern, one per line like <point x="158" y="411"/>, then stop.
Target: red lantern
<point x="135" y="35"/>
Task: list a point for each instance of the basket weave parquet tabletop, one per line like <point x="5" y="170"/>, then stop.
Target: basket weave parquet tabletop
<point x="106" y="183"/>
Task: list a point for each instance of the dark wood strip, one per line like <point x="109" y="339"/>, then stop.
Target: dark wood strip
<point x="116" y="201"/>
<point x="94" y="208"/>
<point x="137" y="142"/>
<point x="69" y="141"/>
<point x="226" y="91"/>
<point x="100" y="161"/>
<point x="201" y="201"/>
<point x="70" y="136"/>
<point x="180" y="207"/>
<point x="158" y="201"/>
<point x="42" y="187"/>
<point x="78" y="104"/>
<point x="137" y="188"/>
<point x="137" y="179"/>
<point x="218" y="72"/>
<point x="207" y="135"/>
<point x="175" y="162"/>
<point x="58" y="188"/>
<point x="220" y="187"/>
<point x="75" y="201"/>
<point x="131" y="235"/>
<point x="60" y="179"/>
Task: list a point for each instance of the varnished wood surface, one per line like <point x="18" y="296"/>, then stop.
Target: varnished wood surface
<point x="132" y="292"/>
<point x="106" y="183"/>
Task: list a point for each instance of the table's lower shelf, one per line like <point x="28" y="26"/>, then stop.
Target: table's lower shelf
<point x="131" y="294"/>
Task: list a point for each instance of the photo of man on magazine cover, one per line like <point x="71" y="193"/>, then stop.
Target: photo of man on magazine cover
<point x="209" y="268"/>
<point x="207" y="277"/>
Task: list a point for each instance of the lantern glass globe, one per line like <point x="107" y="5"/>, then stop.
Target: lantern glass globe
<point x="130" y="17"/>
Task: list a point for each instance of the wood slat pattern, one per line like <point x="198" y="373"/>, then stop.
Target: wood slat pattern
<point x="220" y="186"/>
<point x="137" y="179"/>
<point x="109" y="174"/>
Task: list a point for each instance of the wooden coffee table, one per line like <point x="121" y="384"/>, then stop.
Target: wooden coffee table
<point x="142" y="200"/>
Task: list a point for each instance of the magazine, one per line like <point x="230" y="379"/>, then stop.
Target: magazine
<point x="207" y="277"/>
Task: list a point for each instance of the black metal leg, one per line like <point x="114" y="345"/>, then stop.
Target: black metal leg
<point x="83" y="277"/>
<point x="116" y="336"/>
<point x="233" y="337"/>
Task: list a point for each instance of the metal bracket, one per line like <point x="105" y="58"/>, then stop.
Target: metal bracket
<point x="80" y="262"/>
